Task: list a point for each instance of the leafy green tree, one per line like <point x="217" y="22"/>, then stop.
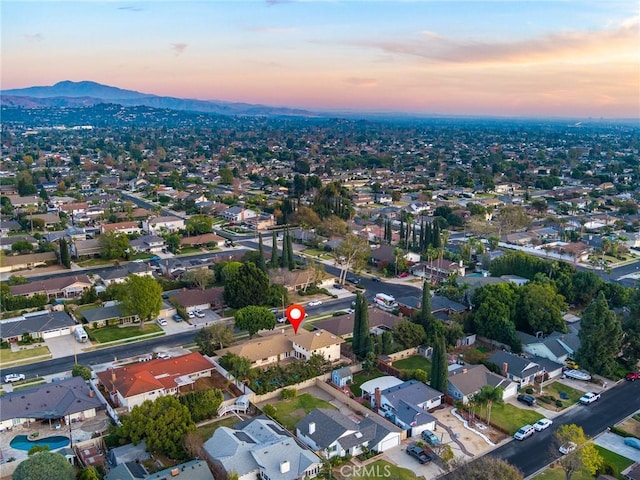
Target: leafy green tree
<point x="89" y="473"/>
<point x="65" y="258"/>
<point x="408" y="334"/>
<point x="586" y="285"/>
<point x="199" y="224"/>
<point x="141" y="296"/>
<point x="488" y="395"/>
<point x="420" y="375"/>
<point x="361" y="345"/>
<point x="246" y="285"/>
<point x="44" y="466"/>
<point x="252" y="319"/>
<point x="217" y="336"/>
<point x="352" y="254"/>
<point x="22" y="246"/>
<point x="238" y="366"/>
<point x="484" y="468"/>
<point x="585" y="455"/>
<point x="492" y="320"/>
<point x="161" y="423"/>
<point x="173" y="242"/>
<point x="600" y="338"/>
<point x="370" y="362"/>
<point x="226" y="176"/>
<point x="202" y="404"/>
<point x="387" y="342"/>
<point x="114" y="245"/>
<point x="540" y="308"/>
<point x="81" y="371"/>
<point x="200" y="278"/>
<point x="439" y="365"/>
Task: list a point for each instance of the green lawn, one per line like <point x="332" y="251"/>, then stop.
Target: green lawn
<point x="112" y="334"/>
<point x="95" y="262"/>
<point x="509" y="417"/>
<point x="289" y="412"/>
<point x="556" y="473"/>
<point x="6" y="355"/>
<point x="360" y="378"/>
<point x="555" y="389"/>
<point x="413" y="363"/>
<point x="383" y="469"/>
<point x="205" y="431"/>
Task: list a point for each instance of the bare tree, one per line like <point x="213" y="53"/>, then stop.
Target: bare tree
<point x="352" y="254"/>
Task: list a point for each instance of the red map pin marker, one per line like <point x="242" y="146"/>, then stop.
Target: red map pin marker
<point x="295" y="314"/>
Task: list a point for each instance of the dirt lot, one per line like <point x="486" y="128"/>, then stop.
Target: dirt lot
<point x="631" y="425"/>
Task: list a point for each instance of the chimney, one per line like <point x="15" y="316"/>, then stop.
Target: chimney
<point x="505" y="367"/>
<point x="113" y="375"/>
<point x="91" y="393"/>
<point x="312" y="428"/>
<point x="377" y="398"/>
<point x="285" y="466"/>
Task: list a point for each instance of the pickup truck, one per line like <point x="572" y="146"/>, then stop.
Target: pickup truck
<point x="589" y="397"/>
<point x="418" y="453"/>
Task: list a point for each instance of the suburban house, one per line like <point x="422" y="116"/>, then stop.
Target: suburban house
<point x="342" y="325"/>
<point x="14" y="263"/>
<point x="259" y="448"/>
<point x="56" y="287"/>
<point x="556" y="346"/>
<point x="205" y="239"/>
<point x="108" y="315"/>
<point x="331" y="433"/>
<point x="192" y="300"/>
<point x="43" y="324"/>
<point x="293" y="280"/>
<point x="74" y="208"/>
<point x="59" y="402"/>
<point x="407" y="405"/>
<point x="8" y="243"/>
<point x="131" y="385"/>
<point x="120" y="274"/>
<point x="276" y="347"/>
<point x="516" y="368"/>
<point x="438" y="269"/>
<point x="85" y="248"/>
<point x="7" y="226"/>
<point x="467" y="380"/>
<point x="121" y="227"/>
<point x="156" y="225"/>
<point x="441" y="307"/>
<point x="135" y="470"/>
<point x="147" y="244"/>
<point x="238" y="214"/>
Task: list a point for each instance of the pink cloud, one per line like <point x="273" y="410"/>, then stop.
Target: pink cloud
<point x="179" y="48"/>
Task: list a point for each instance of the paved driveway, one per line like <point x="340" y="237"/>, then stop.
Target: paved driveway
<point x="398" y="455"/>
<point x="616" y="444"/>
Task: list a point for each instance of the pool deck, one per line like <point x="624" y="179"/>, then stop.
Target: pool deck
<point x="80" y="432"/>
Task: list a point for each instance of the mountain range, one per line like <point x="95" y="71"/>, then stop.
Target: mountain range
<point x="87" y="93"/>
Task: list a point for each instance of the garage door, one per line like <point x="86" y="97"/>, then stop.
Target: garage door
<point x="56" y="333"/>
<point x="390" y="442"/>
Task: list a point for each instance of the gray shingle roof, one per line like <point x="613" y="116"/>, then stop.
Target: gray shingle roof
<point x="40" y="322"/>
<point x="517" y="366"/>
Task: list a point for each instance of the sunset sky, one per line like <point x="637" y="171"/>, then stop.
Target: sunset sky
<point x="566" y="58"/>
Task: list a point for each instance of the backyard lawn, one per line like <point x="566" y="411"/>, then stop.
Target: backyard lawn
<point x="289" y="412"/>
<point x="113" y="334"/>
<point x="6" y="355"/>
<point x="509" y="417"/>
<point x="383" y="469"/>
<point x="360" y="378"/>
<point x="413" y="363"/>
<point x="205" y="431"/>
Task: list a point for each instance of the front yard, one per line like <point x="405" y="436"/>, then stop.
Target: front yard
<point x="375" y="471"/>
<point x="567" y="395"/>
<point x="509" y="417"/>
<point x="611" y="458"/>
<point x="290" y="412"/>
<point x="25" y="353"/>
<point x="115" y="333"/>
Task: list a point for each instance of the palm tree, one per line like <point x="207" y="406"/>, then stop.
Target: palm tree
<point x="488" y="395"/>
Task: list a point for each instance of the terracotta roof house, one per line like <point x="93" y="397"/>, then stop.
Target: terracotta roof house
<point x="330" y="433"/>
<point x="56" y="287"/>
<point x="259" y="448"/>
<point x="133" y="384"/>
<point x="204" y="239"/>
<point x="121" y="227"/>
<point x="66" y="400"/>
<point x="284" y="345"/>
<point x="200" y="299"/>
<point x="467" y="380"/>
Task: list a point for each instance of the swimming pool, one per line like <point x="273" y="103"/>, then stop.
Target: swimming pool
<point x="20" y="442"/>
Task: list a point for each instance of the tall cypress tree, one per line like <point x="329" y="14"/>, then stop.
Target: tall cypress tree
<point x="284" y="259"/>
<point x="274" y="250"/>
<point x="65" y="259"/>
<point x="262" y="265"/>
<point x="425" y="317"/>
<point x="358" y="339"/>
<point x="367" y="341"/>
<point x="439" y="370"/>
<point x="290" y="260"/>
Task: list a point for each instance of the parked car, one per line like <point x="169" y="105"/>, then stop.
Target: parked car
<point x="192" y="314"/>
<point x="633" y="376"/>
<point x="200" y="314"/>
<point x="162" y="322"/>
<point x="403" y="275"/>
<point x="376" y="279"/>
<point x="350" y="311"/>
<point x="14" y="377"/>
<point x="542" y="424"/>
<point x="632" y="442"/>
<point x="572" y="365"/>
<point x="314" y="303"/>
<point x="353" y="280"/>
<point x="163" y="355"/>
<point x="577" y="375"/>
<point x="568" y="448"/>
<point x="177" y="318"/>
<point x="418" y="453"/>
<point x="337" y="286"/>
<point x="430" y="437"/>
<point x="528" y="399"/>
<point x="589" y="397"/>
<point x="524" y="432"/>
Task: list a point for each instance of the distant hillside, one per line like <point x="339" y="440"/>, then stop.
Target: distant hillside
<point x="86" y="93"/>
